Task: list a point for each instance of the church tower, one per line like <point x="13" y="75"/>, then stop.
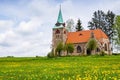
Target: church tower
<point x="59" y="31"/>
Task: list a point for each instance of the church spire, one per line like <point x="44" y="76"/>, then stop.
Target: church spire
<point x="60" y="18"/>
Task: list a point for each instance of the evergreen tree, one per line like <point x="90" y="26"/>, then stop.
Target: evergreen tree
<point x="79" y="26"/>
<point x="104" y="22"/>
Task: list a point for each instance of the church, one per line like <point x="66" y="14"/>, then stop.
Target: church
<point x="79" y="39"/>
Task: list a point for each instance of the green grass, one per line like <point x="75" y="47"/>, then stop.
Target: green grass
<point x="62" y="68"/>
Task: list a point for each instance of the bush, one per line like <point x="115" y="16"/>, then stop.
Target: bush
<point x="38" y="56"/>
<point x="115" y="53"/>
<point x="10" y="56"/>
<point x="50" y="55"/>
<point x="102" y="53"/>
<point x="82" y="54"/>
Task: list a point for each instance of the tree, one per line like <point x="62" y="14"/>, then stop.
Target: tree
<point x="70" y="25"/>
<point x="110" y="17"/>
<point x="97" y="20"/>
<point x="117" y="31"/>
<point x="117" y="28"/>
<point x="51" y="54"/>
<point x="104" y="22"/>
<point x="79" y="26"/>
<point x="69" y="48"/>
<point x="92" y="44"/>
<point x="59" y="48"/>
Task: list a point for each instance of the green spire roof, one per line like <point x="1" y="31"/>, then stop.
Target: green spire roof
<point x="60" y="18"/>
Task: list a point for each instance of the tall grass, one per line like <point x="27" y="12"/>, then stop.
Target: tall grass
<point x="61" y="68"/>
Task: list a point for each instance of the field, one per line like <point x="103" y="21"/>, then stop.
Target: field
<point x="62" y="68"/>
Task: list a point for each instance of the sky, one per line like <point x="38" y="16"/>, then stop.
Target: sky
<point x="26" y="25"/>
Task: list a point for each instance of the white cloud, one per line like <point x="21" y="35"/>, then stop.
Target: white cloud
<point x="6" y="25"/>
<point x="29" y="26"/>
<point x="20" y="45"/>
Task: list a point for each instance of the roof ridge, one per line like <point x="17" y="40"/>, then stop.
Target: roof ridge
<point x="81" y="31"/>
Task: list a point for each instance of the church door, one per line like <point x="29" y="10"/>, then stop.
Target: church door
<point x="88" y="52"/>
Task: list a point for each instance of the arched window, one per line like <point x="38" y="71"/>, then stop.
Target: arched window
<point x="64" y="32"/>
<point x="79" y="50"/>
<point x="57" y="31"/>
<point x="105" y="47"/>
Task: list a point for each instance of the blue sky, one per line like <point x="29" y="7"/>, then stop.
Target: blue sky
<point x="26" y="25"/>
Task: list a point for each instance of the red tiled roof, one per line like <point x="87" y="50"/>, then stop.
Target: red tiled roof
<point x="84" y="36"/>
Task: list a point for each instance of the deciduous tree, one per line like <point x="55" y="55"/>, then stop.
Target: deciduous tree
<point x="69" y="48"/>
<point x="59" y="48"/>
<point x="70" y="25"/>
<point x="117" y="31"/>
<point x="92" y="44"/>
<point x="104" y="22"/>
